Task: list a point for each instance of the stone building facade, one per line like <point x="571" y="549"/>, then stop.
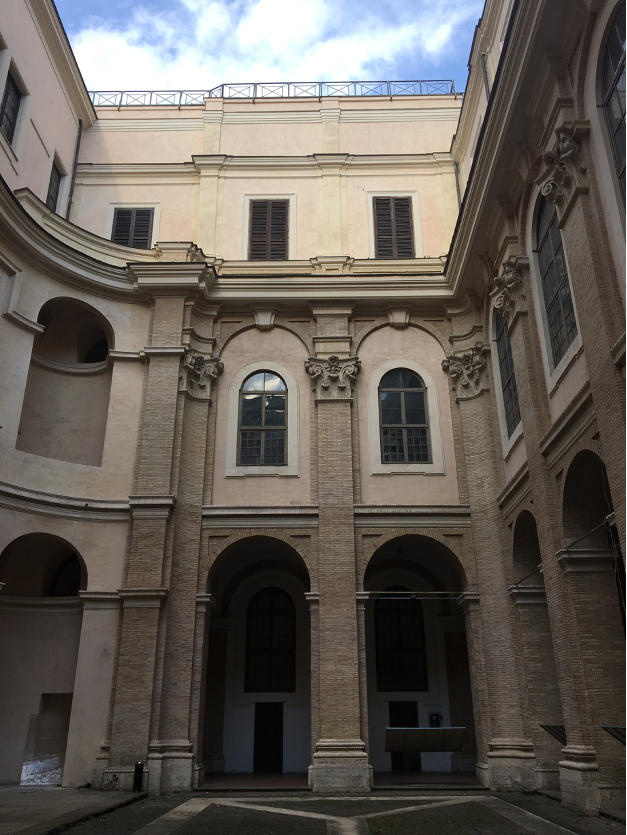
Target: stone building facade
<point x="312" y="417"/>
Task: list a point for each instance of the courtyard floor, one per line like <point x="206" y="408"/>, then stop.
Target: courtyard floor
<point x="269" y="813"/>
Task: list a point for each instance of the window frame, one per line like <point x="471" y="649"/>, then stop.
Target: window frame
<point x="394" y="236"/>
<point x="249" y="653"/>
<point x="405" y="426"/>
<point x="291" y="225"/>
<point x="156" y="220"/>
<point x="605" y="96"/>
<point x="501" y="328"/>
<point x="8" y="67"/>
<point x="416" y="220"/>
<point x="291" y="468"/>
<point x="10" y="79"/>
<point x="57" y="203"/>
<point x="262" y="428"/>
<point x="437" y="465"/>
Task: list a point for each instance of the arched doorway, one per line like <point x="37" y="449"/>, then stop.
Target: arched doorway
<point x="257" y="715"/>
<point x="40" y="625"/>
<point x="416" y="655"/>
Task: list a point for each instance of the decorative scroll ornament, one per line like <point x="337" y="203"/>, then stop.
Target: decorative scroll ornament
<point x="509" y="293"/>
<point x="197" y="374"/>
<point x="468" y="372"/>
<point x="565" y="171"/>
<point x="333" y="377"/>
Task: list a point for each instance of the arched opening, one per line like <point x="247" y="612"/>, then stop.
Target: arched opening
<point x="541" y="698"/>
<point x="40" y="624"/>
<point x="417" y="666"/>
<point x="64" y="411"/>
<point x="257" y="705"/>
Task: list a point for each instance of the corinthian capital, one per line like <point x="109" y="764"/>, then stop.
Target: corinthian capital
<point x="509" y="293"/>
<point x="468" y="372"/>
<point x="333" y="377"/>
<point x="197" y="375"/>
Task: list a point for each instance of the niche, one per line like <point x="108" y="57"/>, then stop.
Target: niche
<point x="66" y="400"/>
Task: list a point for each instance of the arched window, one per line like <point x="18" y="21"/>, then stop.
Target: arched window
<point x="555" y="284"/>
<point x="400" y="643"/>
<point x="614" y="93"/>
<point x="508" y="378"/>
<point x="262" y="420"/>
<point x="270" y="643"/>
<point x="403" y="418"/>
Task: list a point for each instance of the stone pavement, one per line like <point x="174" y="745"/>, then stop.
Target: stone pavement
<point x="33" y="810"/>
<point x="391" y="813"/>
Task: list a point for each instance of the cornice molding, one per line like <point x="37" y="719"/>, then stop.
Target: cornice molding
<point x="412" y="516"/>
<point x="64" y="507"/>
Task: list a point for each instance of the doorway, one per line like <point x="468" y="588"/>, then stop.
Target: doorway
<point x="405" y="715"/>
<point x="268" y="740"/>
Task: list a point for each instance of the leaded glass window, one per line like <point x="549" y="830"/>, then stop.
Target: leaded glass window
<point x="262" y="420"/>
<point x="508" y="377"/>
<point x="270" y="643"/>
<point x="404" y="419"/>
<point x="614" y="93"/>
<point x="555" y="284"/>
<point x="400" y="643"/>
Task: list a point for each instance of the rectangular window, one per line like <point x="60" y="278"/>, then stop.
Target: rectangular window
<point x="9" y="108"/>
<point x="133" y="227"/>
<point x="53" y="188"/>
<point x="393" y="227"/>
<point x="508" y="377"/>
<point x="268" y="231"/>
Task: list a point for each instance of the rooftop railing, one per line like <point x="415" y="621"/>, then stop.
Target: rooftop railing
<point x="274" y="90"/>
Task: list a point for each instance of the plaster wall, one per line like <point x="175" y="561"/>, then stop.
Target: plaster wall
<point x="412" y="343"/>
<point x="398" y="137"/>
<point x="250" y="346"/>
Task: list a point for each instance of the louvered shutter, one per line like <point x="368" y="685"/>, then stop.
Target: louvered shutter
<point x="133" y="227"/>
<point x="268" y="234"/>
<point x="393" y="226"/>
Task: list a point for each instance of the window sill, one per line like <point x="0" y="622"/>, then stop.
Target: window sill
<point x="248" y="472"/>
<point x="564" y="365"/>
<point x="407" y="469"/>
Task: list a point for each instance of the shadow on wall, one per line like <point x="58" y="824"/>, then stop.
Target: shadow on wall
<point x="64" y="412"/>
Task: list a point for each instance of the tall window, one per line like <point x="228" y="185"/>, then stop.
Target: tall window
<point x="555" y="284"/>
<point x="132" y="227"/>
<point x="393" y="227"/>
<point x="403" y="415"/>
<point x="9" y="108"/>
<point x="262" y="420"/>
<point x="614" y="93"/>
<point x="54" y="185"/>
<point x="400" y="643"/>
<point x="270" y="643"/>
<point x="508" y="378"/>
<point x="268" y="233"/>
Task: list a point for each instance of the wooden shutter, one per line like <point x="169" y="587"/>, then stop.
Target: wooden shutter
<point x="268" y="234"/>
<point x="53" y="188"/>
<point x="133" y="227"/>
<point x="393" y="227"/>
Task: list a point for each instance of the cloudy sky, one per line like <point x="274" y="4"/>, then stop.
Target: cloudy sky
<point x="198" y="44"/>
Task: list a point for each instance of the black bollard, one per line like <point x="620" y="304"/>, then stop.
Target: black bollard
<point x="138" y="777"/>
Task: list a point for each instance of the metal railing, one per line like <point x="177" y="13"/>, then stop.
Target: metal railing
<point x="273" y="90"/>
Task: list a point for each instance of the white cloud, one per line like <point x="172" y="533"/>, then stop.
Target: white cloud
<point x="198" y="44"/>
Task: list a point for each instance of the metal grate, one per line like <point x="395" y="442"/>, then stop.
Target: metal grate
<point x="271" y="90"/>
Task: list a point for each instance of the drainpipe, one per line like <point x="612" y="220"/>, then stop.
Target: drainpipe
<point x="459" y="199"/>
<point x="485" y="76"/>
<point x="74" y="167"/>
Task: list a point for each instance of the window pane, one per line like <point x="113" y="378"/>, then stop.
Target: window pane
<point x="400" y="646"/>
<point x="273" y="383"/>
<point x="275" y="410"/>
<point x="254" y="383"/>
<point x="417" y="445"/>
<point x="411" y="380"/>
<point x="393" y="447"/>
<point x="250" y="448"/>
<point x="550" y="283"/>
<point x="391" y="407"/>
<point x="415" y="407"/>
<point x="392" y="380"/>
<point x="251" y="409"/>
<point x="274" y="447"/>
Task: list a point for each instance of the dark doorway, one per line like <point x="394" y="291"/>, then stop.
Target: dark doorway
<point x="268" y="746"/>
<point x="405" y="715"/>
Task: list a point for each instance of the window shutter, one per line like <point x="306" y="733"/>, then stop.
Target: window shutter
<point x="53" y="188"/>
<point x="393" y="226"/>
<point x="10" y="107"/>
<point x="133" y="227"/>
<point x="268" y="235"/>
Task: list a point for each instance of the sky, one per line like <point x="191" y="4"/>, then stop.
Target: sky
<point x="199" y="44"/>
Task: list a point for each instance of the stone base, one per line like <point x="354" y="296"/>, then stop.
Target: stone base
<point x="482" y="773"/>
<point x="340" y="766"/>
<point x="511" y="763"/>
<point x="547" y="779"/>
<point x="171" y="762"/>
<point x="579" y="779"/>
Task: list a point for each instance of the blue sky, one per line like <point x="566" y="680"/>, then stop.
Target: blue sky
<point x="198" y="44"/>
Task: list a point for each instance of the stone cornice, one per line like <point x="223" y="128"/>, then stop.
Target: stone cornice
<point x="65" y="507"/>
<point x="173" y="278"/>
<point x="287" y="516"/>
<point x="41" y="605"/>
<point x="412" y="516"/>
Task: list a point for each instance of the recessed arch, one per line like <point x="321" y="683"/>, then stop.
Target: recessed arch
<point x="42" y="565"/>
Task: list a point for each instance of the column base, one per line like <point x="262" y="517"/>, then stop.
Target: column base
<point x="511" y="764"/>
<point x="171" y="763"/>
<point x="340" y="766"/>
<point x="579" y="778"/>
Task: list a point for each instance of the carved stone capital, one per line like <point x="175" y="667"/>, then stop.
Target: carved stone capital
<point x="509" y="293"/>
<point x="565" y="172"/>
<point x="333" y="377"/>
<point x="468" y="372"/>
<point x="197" y="375"/>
